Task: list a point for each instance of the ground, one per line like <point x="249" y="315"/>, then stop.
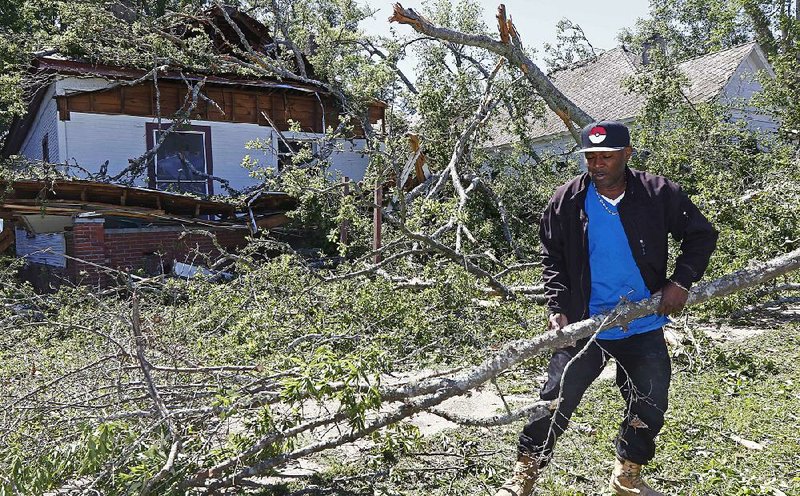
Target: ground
<point x="731" y="429"/>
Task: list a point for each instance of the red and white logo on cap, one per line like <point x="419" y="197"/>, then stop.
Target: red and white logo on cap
<point x="597" y="134"/>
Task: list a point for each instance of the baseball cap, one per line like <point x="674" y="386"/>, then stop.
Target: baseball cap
<point x="604" y="136"/>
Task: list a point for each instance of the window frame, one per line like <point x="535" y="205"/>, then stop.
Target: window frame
<point x="151" y="129"/>
<point x="46" y="148"/>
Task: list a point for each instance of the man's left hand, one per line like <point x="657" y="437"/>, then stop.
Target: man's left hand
<point x="673" y="299"/>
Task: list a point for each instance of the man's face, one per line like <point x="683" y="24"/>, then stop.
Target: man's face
<point x="607" y="169"/>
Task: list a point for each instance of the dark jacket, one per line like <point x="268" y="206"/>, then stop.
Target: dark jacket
<point x="652" y="207"/>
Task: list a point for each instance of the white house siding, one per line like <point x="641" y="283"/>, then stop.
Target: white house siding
<point x="559" y="144"/>
<point x="228" y="149"/>
<point x="45" y="124"/>
<point x="47" y="249"/>
<point x="741" y="87"/>
<point x="349" y="160"/>
<point x="91" y="139"/>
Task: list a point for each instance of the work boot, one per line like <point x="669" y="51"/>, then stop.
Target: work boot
<point x="526" y="470"/>
<point x="627" y="480"/>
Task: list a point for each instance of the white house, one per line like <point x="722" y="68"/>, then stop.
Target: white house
<point x="108" y="120"/>
<point x="728" y="76"/>
<point x="91" y="115"/>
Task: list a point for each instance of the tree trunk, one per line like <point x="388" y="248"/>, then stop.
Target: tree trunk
<point x="761" y="25"/>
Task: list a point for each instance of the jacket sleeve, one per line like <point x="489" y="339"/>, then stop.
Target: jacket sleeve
<point x="556" y="279"/>
<point x="697" y="237"/>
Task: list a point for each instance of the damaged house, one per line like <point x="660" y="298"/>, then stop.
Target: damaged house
<point x="107" y="120"/>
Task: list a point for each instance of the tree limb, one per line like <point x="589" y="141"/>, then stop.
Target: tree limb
<point x="558" y="103"/>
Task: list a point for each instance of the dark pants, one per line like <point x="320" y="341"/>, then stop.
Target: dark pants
<point x="643" y="376"/>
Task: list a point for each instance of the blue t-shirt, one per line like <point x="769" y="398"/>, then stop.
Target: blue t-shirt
<point x="615" y="274"/>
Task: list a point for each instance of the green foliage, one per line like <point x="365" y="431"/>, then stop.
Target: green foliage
<point x="782" y="92"/>
<point x="689" y="28"/>
<point x="329" y="345"/>
<point x="572" y="47"/>
<point x="316" y="345"/>
<point x="327" y="375"/>
<point x="696" y="453"/>
<point x="448" y="79"/>
<point x="86" y="454"/>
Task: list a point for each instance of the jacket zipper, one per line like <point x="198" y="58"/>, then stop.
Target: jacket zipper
<point x="585" y="269"/>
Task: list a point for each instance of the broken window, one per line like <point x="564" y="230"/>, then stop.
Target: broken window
<point x="303" y="150"/>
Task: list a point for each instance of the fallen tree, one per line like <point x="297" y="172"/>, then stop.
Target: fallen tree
<point x="416" y="396"/>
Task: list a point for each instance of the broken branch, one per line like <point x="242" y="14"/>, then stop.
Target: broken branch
<point x="552" y="96"/>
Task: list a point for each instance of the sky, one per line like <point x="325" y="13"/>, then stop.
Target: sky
<point x="535" y="19"/>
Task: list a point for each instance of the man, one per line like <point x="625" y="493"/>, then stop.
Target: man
<point x="604" y="239"/>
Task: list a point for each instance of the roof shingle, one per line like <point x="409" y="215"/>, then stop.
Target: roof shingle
<point x="597" y="86"/>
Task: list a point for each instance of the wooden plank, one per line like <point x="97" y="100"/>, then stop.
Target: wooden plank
<point x="244" y="107"/>
<point x="6" y="237"/>
<point x="108" y="102"/>
<point x="79" y="103"/>
<point x="331" y="117"/>
<point x="171" y="98"/>
<point x="316" y="118"/>
<point x="279" y="112"/>
<point x="63" y="108"/>
<point x="218" y="96"/>
<point x="138" y="100"/>
<point x="272" y="221"/>
<point x="263" y="104"/>
<point x="378" y="113"/>
<point x="72" y="205"/>
<point x="302" y="111"/>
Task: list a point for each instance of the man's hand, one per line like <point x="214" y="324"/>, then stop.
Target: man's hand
<point x="556" y="321"/>
<point x="673" y="299"/>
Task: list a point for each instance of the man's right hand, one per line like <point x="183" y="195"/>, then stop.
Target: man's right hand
<point x="556" y="321"/>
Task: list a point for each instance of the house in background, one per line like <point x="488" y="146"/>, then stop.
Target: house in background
<point x="598" y="87"/>
<point x="100" y="117"/>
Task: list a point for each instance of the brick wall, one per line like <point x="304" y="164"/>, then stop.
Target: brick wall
<point x="144" y="251"/>
<point x="87" y="243"/>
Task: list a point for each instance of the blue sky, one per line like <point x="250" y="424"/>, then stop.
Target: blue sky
<point x="536" y="19"/>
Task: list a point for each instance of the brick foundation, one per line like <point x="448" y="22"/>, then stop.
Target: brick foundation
<point x="142" y="251"/>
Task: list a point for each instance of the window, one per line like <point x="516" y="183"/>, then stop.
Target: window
<point x="46" y="148"/>
<point x="181" y="160"/>
<point x="286" y="152"/>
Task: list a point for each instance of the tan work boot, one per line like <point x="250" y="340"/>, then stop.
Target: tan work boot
<point x="627" y="480"/>
<point x="526" y="470"/>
